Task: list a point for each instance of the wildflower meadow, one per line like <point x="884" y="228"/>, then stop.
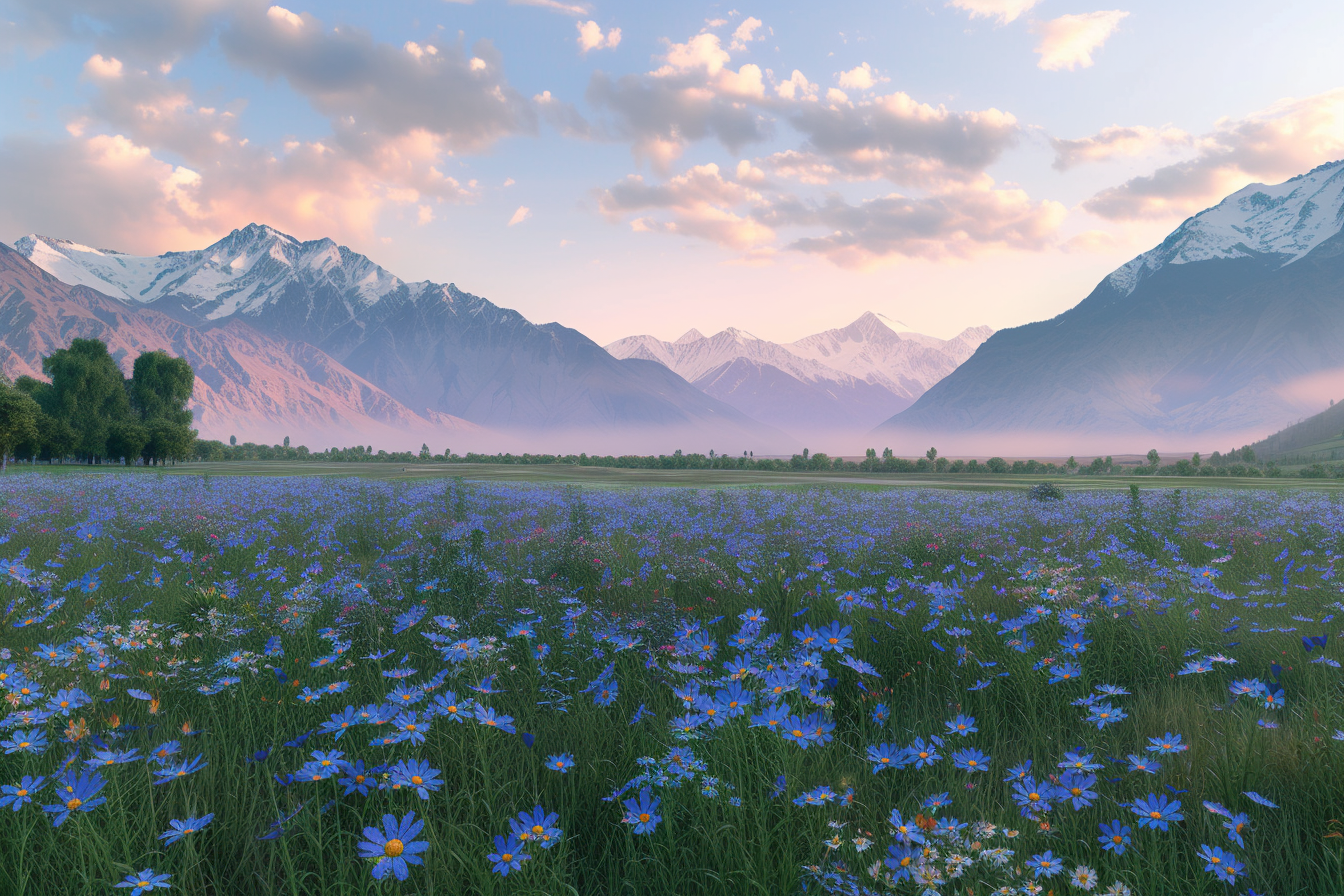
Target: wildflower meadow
<point x="227" y="685"/>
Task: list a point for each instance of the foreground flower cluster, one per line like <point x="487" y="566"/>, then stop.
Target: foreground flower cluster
<point x="672" y="691"/>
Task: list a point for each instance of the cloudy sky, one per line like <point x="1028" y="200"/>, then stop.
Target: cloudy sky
<point x="650" y="167"/>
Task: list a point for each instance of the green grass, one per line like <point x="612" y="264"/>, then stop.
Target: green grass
<point x="393" y="537"/>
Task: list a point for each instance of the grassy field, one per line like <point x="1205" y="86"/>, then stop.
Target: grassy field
<point x="612" y="476"/>
<point x="647" y="690"/>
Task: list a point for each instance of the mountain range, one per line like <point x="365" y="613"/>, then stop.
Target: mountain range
<point x="845" y="380"/>
<point x="1233" y="325"/>
<point x="1231" y="328"/>
<point x="312" y="339"/>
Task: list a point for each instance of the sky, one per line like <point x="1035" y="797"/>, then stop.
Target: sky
<point x="628" y="168"/>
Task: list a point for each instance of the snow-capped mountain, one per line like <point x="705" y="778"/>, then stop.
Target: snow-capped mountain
<point x="848" y="378"/>
<point x="906" y="363"/>
<point x="1281" y="223"/>
<point x="431" y="347"/>
<point x="248" y="383"/>
<point x="1231" y="328"/>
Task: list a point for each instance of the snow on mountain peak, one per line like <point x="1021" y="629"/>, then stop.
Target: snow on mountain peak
<point x="691" y="335"/>
<point x="1283" y="221"/>
<point x="244" y="272"/>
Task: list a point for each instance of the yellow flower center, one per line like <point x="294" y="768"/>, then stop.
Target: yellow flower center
<point x="74" y="803"/>
<point x="1154" y="814"/>
<point x="21" y="792"/>
<point x="1116" y="838"/>
<point x="417" y="780"/>
<point x="393" y="848"/>
<point x="644" y="817"/>
<point x="506" y="857"/>
<point x="1033" y="796"/>
<point x="538" y="829"/>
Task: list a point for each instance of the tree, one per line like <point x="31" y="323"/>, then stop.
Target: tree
<point x="997" y="465"/>
<point x="233" y="441"/>
<point x="1153" y="458"/>
<point x="286" y="441"/>
<point x="161" y="386"/>
<point x="55" y="439"/>
<point x="1195" y="459"/>
<point x="88" y="392"/>
<point x="168" y="441"/>
<point x="127" y="439"/>
<point x="18" y="421"/>
<point x="931" y="454"/>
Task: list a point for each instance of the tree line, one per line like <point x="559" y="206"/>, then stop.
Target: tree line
<point x="1238" y="462"/>
<point x="88" y="411"/>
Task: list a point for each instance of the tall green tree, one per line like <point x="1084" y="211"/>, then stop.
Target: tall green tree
<point x="160" y="388"/>
<point x="88" y="392"/>
<point x="18" y="421"/>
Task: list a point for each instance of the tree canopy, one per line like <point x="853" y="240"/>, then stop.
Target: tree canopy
<point x="89" y="410"/>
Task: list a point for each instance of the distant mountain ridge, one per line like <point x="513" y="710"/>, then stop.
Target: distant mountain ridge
<point x="432" y="348"/>
<point x="848" y="378"/>
<point x="1232" y="326"/>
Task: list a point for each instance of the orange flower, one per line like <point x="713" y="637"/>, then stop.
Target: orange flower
<point x="76" y="731"/>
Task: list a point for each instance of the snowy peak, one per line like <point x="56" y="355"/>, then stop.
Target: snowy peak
<point x="691" y="335"/>
<point x="906" y="363"/>
<point x="246" y="272"/>
<point x="868" y="350"/>
<point x="695" y="356"/>
<point x="1282" y="222"/>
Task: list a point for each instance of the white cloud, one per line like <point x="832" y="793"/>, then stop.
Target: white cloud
<point x="1113" y="141"/>
<point x="569" y="9"/>
<point x="1003" y="10"/>
<point x="1069" y="41"/>
<point x="1290" y="137"/>
<point x="961" y="222"/>
<point x="699" y="203"/>
<point x="521" y="215"/>
<point x="118" y="189"/>
<point x="797" y="87"/>
<point x="900" y="139"/>
<point x="99" y="67"/>
<point x="380" y="89"/>
<point x="694" y="94"/>
<point x="742" y="34"/>
<point x="746" y="215"/>
<point x="861" y="78"/>
<point x="592" y="38"/>
<point x="280" y="14"/>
